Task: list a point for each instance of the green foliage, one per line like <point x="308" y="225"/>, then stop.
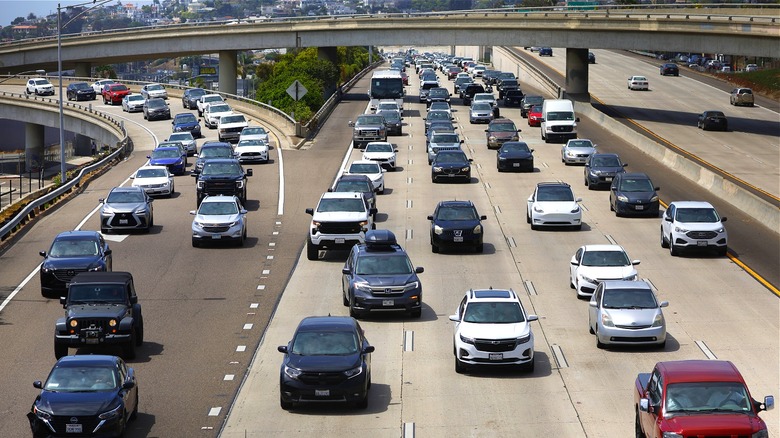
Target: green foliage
<point x="763" y="81"/>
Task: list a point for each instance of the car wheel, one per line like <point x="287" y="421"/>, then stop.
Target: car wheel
<point x="363" y="402"/>
<point x="611" y="208"/>
<point x="479" y="248"/>
<point x="723" y="251"/>
<point x="128" y="350"/>
<point x="590" y="186"/>
<point x="534" y="227"/>
<point x="139" y="336"/>
<point x="527" y="217"/>
<point x="664" y="242"/>
<point x="673" y="249"/>
<point x="345" y="299"/>
<point x="60" y="350"/>
<point x="434" y="249"/>
<point x="312" y="250"/>
<point x="590" y="329"/>
<point x="285" y="404"/>
<point x="242" y="239"/>
<point x="416" y="313"/>
<point x="382" y="190"/>
<point x="662" y="345"/>
<point x="600" y="345"/>
<point x="638" y="427"/>
<point x="354" y="313"/>
<point x="571" y="284"/>
<point x="195" y="243"/>
<point x="460" y="367"/>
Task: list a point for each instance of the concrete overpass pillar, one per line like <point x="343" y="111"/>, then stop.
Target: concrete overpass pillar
<point x="452" y="51"/>
<point x="577" y="74"/>
<point x="228" y="62"/>
<point x="332" y="54"/>
<point x="485" y="54"/>
<point x="83" y="70"/>
<point x="33" y="145"/>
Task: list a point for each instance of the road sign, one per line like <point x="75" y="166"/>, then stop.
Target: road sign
<point x="296" y="90"/>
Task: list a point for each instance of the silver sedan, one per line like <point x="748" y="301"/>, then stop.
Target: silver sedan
<point x="626" y="313"/>
<point x="577" y="151"/>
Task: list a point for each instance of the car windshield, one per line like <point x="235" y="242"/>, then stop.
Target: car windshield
<point x="218" y="152"/>
<point x="185" y="118"/>
<point x="515" y="147"/>
<point x="697" y="215"/>
<point x="232" y="119"/>
<point x="211" y="168"/>
<point x="629" y="299"/>
<point x="150" y="173"/>
<point x="125" y="197"/>
<point x="636" y="185"/>
<point x="196" y="93"/>
<point x="73" y="248"/>
<point x="439" y="92"/>
<point x="41" y="82"/>
<point x="559" y="115"/>
<point x="439" y="106"/>
<point x="396" y="264"/>
<point x="481" y="106"/>
<point x="326" y="343"/>
<point x="605" y="258"/>
<point x="439" y="115"/>
<point x="165" y="153"/>
<point x="81" y="379"/>
<point x="505" y="75"/>
<point x="355" y="205"/>
<point x="533" y="100"/>
<point x="459" y="213"/>
<point x="210" y="99"/>
<point x="246" y="143"/>
<point x="370" y="120"/>
<point x="134" y="97"/>
<point x="493" y="313"/>
<point x="579" y="144"/>
<point x="218" y="208"/>
<point x="155" y="87"/>
<point x="387" y="106"/>
<point x="253" y="131"/>
<point x="119" y="88"/>
<point x="218" y="108"/>
<point x="391" y="116"/>
<point x="155" y="103"/>
<point x="503" y="127"/>
<point x="707" y="397"/>
<point x="379" y="147"/>
<point x="80" y="86"/>
<point x="445" y="138"/>
<point x="554" y="194"/>
<point x="354" y="186"/>
<point x="605" y="162"/>
<point x="96" y="293"/>
<point x="364" y="168"/>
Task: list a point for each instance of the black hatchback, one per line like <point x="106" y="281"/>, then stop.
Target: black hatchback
<point x="327" y="360"/>
<point x="456" y="224"/>
<point x="669" y="69"/>
<point x="70" y="253"/>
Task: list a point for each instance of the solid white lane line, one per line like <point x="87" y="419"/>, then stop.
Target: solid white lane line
<point x="611" y="239"/>
<point x="280" y="205"/>
<point x="560" y="359"/>
<point x="408" y="430"/>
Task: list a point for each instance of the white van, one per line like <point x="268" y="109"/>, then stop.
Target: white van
<point x="558" y="120"/>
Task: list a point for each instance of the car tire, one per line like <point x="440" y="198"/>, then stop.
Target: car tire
<point x="139" y="336"/>
<point x="416" y="313"/>
<point x="638" y="427"/>
<point x="534" y="227"/>
<point x="590" y="330"/>
<point x="60" y="350"/>
<point x="362" y="403"/>
<point x="344" y="299"/>
<point x="527" y="217"/>
<point x="479" y="249"/>
<point x="460" y="367"/>
<point x="312" y="250"/>
<point x="354" y="313"/>
<point x="571" y="284"/>
<point x="664" y="243"/>
<point x="285" y="404"/>
<point x="673" y="249"/>
<point x="600" y="345"/>
<point x="662" y="345"/>
<point x="195" y="243"/>
<point x="128" y="350"/>
<point x="723" y="251"/>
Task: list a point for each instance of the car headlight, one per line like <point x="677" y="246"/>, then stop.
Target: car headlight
<point x="589" y="280"/>
<point x="354" y="372"/>
<point x="45" y="270"/>
<point x="659" y="320"/>
<point x="362" y="286"/>
<point x="720" y="230"/>
<point x="141" y="211"/>
<point x="654" y="198"/>
<point x="595" y="172"/>
<point x="436" y="169"/>
<point x="112" y="323"/>
<point x="74" y="323"/>
<point x="570" y="153"/>
<point x="538" y="209"/>
<point x="679" y="229"/>
<point x="113" y="413"/>
<point x="95" y="268"/>
<point x="466" y="169"/>
<point x="672" y="435"/>
<point x="631" y="277"/>
<point x="437" y="230"/>
<point x="523" y="339"/>
<point x="240" y="184"/>
<point x="760" y="434"/>
<point x="500" y="158"/>
<point x="622" y="198"/>
<point x="467" y="340"/>
<point x="40" y="413"/>
<point x="606" y="321"/>
<point x="197" y="224"/>
<point x="234" y="223"/>
<point x="291" y="372"/>
<point x="411" y="286"/>
<point x="575" y="209"/>
<point x="478" y="229"/>
<point x="492" y="138"/>
<point x="364" y="226"/>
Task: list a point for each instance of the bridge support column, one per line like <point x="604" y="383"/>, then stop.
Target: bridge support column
<point x="83" y="70"/>
<point x="332" y="54"/>
<point x="33" y="145"/>
<point x="485" y="54"/>
<point x="577" y="74"/>
<point x="228" y="62"/>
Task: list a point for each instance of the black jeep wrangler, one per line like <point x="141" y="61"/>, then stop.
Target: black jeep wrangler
<point x="101" y="308"/>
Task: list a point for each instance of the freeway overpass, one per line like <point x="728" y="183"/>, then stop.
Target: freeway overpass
<point x="751" y="31"/>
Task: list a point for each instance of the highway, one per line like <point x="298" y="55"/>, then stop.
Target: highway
<point x="206" y="309"/>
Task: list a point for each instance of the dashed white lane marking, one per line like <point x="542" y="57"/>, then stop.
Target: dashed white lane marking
<point x="260" y="287"/>
<point x="408" y="203"/>
<point x="611" y="239"/>
<point x="266" y="271"/>
<point x="275" y="233"/>
<point x="529" y="287"/>
<point x="271" y="244"/>
<point x="560" y="359"/>
<point x="229" y="377"/>
<point x="706" y="350"/>
<point x="254" y="305"/>
<point x="408" y="340"/>
<point x="409" y="180"/>
<point x="248" y="326"/>
<point x="511" y="242"/>
<point x="497" y="209"/>
<point x="409" y="234"/>
<point x="214" y="412"/>
<point x="240" y="348"/>
<point x="408" y="430"/>
<point x="270" y="257"/>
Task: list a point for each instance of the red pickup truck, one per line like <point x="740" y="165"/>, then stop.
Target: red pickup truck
<point x="697" y="398"/>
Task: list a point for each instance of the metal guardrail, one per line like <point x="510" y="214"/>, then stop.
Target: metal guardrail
<point x="124" y="145"/>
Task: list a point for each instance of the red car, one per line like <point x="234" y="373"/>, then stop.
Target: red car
<point x="535" y="116"/>
<point x="404" y="78"/>
<point x="114" y="93"/>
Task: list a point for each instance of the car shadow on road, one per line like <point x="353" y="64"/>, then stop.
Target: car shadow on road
<point x="142" y="425"/>
<point x="143" y="353"/>
<point x="252" y="205"/>
<point x="379" y="398"/>
<point x="487" y="248"/>
<point x="542" y="368"/>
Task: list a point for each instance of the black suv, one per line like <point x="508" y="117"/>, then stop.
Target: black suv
<point x="213" y="149"/>
<point x="72" y="252"/>
<point x="101" y="309"/>
<point x="456" y="224"/>
<point x="513" y="98"/>
<point x="506" y="85"/>
<point x="467" y="92"/>
<point x="528" y="102"/>
<point x="378" y="275"/>
<point x="437" y="94"/>
<point x="222" y="176"/>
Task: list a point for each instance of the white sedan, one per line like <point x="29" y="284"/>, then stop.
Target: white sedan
<point x="592" y="264"/>
<point x="380" y="152"/>
<point x="154" y="90"/>
<point x="638" y="83"/>
<point x="155" y="180"/>
<point x="372" y="170"/>
<point x="133" y="103"/>
<point x="553" y="204"/>
<point x="252" y="150"/>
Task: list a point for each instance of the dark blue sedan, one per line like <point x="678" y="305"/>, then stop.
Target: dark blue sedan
<point x="515" y="155"/>
<point x="456" y="224"/>
<point x="89" y="395"/>
<point x="600" y="169"/>
<point x="70" y="253"/>
<point x="170" y="157"/>
<point x="633" y="194"/>
<point x="187" y="122"/>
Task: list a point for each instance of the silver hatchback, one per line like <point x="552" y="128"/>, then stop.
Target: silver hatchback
<point x="626" y="313"/>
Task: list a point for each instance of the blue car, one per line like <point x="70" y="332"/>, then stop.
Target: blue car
<point x="70" y="253"/>
<point x="85" y="395"/>
<point x="378" y="276"/>
<point x="187" y="122"/>
<point x="456" y="224"/>
<point x="170" y="157"/>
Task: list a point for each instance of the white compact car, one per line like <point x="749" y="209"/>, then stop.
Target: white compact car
<point x="638" y="83"/>
<point x="149" y="91"/>
<point x="389" y="105"/>
<point x="206" y="100"/>
<point x="370" y="169"/>
<point x="155" y="180"/>
<point x="553" y="204"/>
<point x="133" y="103"/>
<point x="252" y="151"/>
<point x="491" y="327"/>
<point x="381" y="152"/>
<point x="592" y="264"/>
<point x="693" y="225"/>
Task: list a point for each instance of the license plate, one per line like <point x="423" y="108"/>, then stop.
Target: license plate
<point x="122" y="221"/>
<point x="515" y="164"/>
<point x="701" y="243"/>
<point x="339" y="240"/>
<point x="72" y="428"/>
<point x="216" y="236"/>
<point x="496" y="356"/>
<point x="639" y="207"/>
<point x="92" y="341"/>
<point x="457" y="239"/>
<point x="388" y="302"/>
<point x="608" y="179"/>
<point x="322" y="392"/>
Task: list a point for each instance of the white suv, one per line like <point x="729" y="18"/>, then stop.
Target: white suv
<point x="492" y="328"/>
<point x="340" y="221"/>
<point x="693" y="224"/>
<point x="39" y="87"/>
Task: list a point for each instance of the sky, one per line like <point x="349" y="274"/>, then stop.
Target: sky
<point x="10" y="9"/>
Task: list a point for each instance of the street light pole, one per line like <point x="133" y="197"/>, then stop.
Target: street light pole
<point x="16" y="75"/>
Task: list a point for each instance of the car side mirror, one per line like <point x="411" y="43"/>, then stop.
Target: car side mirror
<point x="471" y="160"/>
<point x="108" y="252"/>
<point x="644" y="405"/>
<point x="430" y="218"/>
<point x="369" y="349"/>
<point x="577" y="120"/>
<point x="330" y="189"/>
<point x="148" y="156"/>
<point x="101" y="201"/>
<point x="668" y="218"/>
<point x="419" y="270"/>
<point x="43" y="253"/>
<point x="38" y="384"/>
<point x="193" y="212"/>
<point x="194" y="174"/>
<point x="282" y="349"/>
<point x="487" y="130"/>
<point x="134" y="299"/>
<point x="663" y="304"/>
<point x="541" y="119"/>
<point x="128" y="385"/>
<point x="454" y="318"/>
<point x="769" y="403"/>
<point x="532" y="318"/>
<point x="574" y="262"/>
<point x="351" y="123"/>
<point x="635" y="262"/>
<point x="461" y="140"/>
<point x="724" y="219"/>
<point x="519" y="130"/>
<point x="345" y="271"/>
<point x="625" y="164"/>
<point x="249" y="172"/>
<point x="63" y="301"/>
<point x="373" y="211"/>
<point x="613" y="188"/>
<point x="656" y="188"/>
